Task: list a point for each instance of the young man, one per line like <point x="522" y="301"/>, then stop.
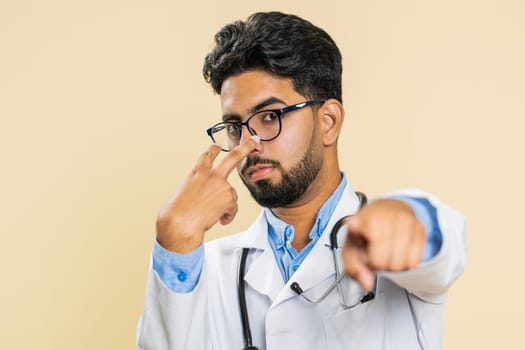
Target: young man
<point x="281" y="284"/>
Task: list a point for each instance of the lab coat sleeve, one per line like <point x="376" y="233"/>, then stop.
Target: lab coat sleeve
<point x="172" y="320"/>
<point x="431" y="279"/>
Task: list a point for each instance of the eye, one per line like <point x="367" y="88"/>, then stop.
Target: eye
<point x="232" y="130"/>
<point x="269" y="117"/>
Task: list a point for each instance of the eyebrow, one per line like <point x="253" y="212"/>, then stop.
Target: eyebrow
<point x="269" y="101"/>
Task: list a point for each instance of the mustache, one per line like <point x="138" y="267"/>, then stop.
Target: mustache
<point x="255" y="160"/>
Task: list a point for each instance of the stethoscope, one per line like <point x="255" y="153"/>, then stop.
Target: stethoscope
<point x="247" y="334"/>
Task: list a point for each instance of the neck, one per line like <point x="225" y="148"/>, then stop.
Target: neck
<point x="302" y="214"/>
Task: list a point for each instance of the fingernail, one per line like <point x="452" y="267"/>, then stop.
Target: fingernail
<point x="256" y="138"/>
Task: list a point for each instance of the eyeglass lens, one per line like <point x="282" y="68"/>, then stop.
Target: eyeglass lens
<point x="264" y="124"/>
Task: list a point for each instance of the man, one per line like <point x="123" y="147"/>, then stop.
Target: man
<point x="279" y="81"/>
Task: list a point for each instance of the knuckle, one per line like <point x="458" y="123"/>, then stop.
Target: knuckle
<point x="209" y="153"/>
<point x="198" y="170"/>
<point x="372" y="264"/>
<point x="195" y="171"/>
<point x="377" y="261"/>
<point x="212" y="150"/>
<point x="397" y="265"/>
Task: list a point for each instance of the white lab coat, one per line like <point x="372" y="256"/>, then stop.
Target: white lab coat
<point x="406" y="314"/>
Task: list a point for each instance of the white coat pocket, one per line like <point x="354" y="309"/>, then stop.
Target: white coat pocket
<point x="361" y="327"/>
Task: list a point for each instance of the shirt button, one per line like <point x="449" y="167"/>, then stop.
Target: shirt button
<point x="182" y="276"/>
<point x="295" y="267"/>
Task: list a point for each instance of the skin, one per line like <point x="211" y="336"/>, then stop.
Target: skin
<point x="384" y="235"/>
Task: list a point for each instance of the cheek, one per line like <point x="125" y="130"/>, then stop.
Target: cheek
<point x="298" y="133"/>
<point x="291" y="144"/>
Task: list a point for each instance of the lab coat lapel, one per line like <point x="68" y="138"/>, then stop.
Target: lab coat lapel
<point x="262" y="272"/>
<point x="318" y="265"/>
<point x="264" y="275"/>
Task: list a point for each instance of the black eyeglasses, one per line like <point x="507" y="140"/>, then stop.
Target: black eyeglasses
<point x="266" y="124"/>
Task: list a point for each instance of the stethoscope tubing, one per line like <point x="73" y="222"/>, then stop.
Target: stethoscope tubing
<point x="247" y="333"/>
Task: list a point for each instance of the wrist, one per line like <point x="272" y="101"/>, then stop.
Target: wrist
<point x="178" y="241"/>
<point x="179" y="245"/>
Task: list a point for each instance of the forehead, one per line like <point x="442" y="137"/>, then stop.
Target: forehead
<point x="241" y="92"/>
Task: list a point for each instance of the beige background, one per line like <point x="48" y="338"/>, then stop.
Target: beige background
<point x="103" y="111"/>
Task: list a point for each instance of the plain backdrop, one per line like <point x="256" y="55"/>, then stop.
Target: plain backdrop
<point x="103" y="110"/>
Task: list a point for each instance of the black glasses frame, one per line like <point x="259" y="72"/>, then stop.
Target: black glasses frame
<point x="279" y="112"/>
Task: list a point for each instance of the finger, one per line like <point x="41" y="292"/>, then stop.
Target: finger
<point x="229" y="215"/>
<point x="401" y="245"/>
<point x="415" y="254"/>
<point x="207" y="158"/>
<point x="356" y="268"/>
<point x="379" y="244"/>
<point x="234" y="157"/>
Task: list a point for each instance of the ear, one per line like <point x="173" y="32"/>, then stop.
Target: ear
<point x="331" y="116"/>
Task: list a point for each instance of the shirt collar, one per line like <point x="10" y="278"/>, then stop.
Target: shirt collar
<point x="280" y="232"/>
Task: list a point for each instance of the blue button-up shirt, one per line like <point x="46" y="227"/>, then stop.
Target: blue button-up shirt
<point x="281" y="235"/>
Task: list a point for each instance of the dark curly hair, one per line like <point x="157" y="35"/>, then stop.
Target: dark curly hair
<point x="282" y="44"/>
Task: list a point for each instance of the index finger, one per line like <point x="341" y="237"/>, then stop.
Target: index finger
<point x="234" y="157"/>
<point x="207" y="158"/>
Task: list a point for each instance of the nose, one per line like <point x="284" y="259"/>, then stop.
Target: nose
<point x="246" y="132"/>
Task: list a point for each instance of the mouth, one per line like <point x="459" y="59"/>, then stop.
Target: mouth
<point x="260" y="171"/>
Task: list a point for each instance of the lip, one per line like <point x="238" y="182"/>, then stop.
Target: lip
<point x="259" y="171"/>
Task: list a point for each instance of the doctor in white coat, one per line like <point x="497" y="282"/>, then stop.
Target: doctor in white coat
<point x="279" y="81"/>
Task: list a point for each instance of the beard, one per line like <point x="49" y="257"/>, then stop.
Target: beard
<point x="293" y="184"/>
